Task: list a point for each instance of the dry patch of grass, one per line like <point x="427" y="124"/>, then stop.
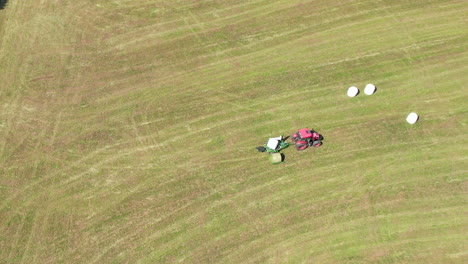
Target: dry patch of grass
<point x="128" y="128"/>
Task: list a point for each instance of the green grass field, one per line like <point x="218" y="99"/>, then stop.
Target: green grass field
<point x="128" y="131"/>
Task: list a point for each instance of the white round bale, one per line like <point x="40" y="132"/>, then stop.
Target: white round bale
<point x="369" y="89"/>
<point x="353" y="91"/>
<point x="412" y="118"/>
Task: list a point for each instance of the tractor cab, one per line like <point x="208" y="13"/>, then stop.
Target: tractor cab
<point x="305" y="137"/>
<point x="304" y="133"/>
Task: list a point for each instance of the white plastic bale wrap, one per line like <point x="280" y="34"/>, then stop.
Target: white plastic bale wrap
<point x="352" y="91"/>
<point x="412" y="118"/>
<point x="369" y="89"/>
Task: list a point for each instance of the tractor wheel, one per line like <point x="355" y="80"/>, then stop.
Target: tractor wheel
<point x="317" y="143"/>
<point x="301" y="145"/>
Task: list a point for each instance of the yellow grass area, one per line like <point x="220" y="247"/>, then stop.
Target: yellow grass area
<point x="128" y="131"/>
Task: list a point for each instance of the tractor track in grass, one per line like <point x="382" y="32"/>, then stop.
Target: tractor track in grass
<point x="190" y="204"/>
<point x="183" y="208"/>
<point x="136" y="150"/>
<point x="197" y="24"/>
<point x="7" y="122"/>
<point x="190" y="27"/>
<point x="122" y="240"/>
<point x="29" y="244"/>
<point x="230" y="233"/>
<point x="146" y="148"/>
<point x="190" y="207"/>
<point x="113" y="158"/>
<point x="413" y="46"/>
<point x="295" y="30"/>
<point x="321" y="233"/>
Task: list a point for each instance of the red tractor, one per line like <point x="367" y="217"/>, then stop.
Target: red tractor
<point x="305" y="138"/>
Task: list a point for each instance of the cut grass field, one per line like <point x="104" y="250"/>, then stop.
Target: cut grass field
<point x="128" y="131"/>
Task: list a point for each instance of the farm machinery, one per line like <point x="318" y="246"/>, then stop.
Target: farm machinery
<point x="305" y="138"/>
<point x="273" y="147"/>
<point x="302" y="139"/>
